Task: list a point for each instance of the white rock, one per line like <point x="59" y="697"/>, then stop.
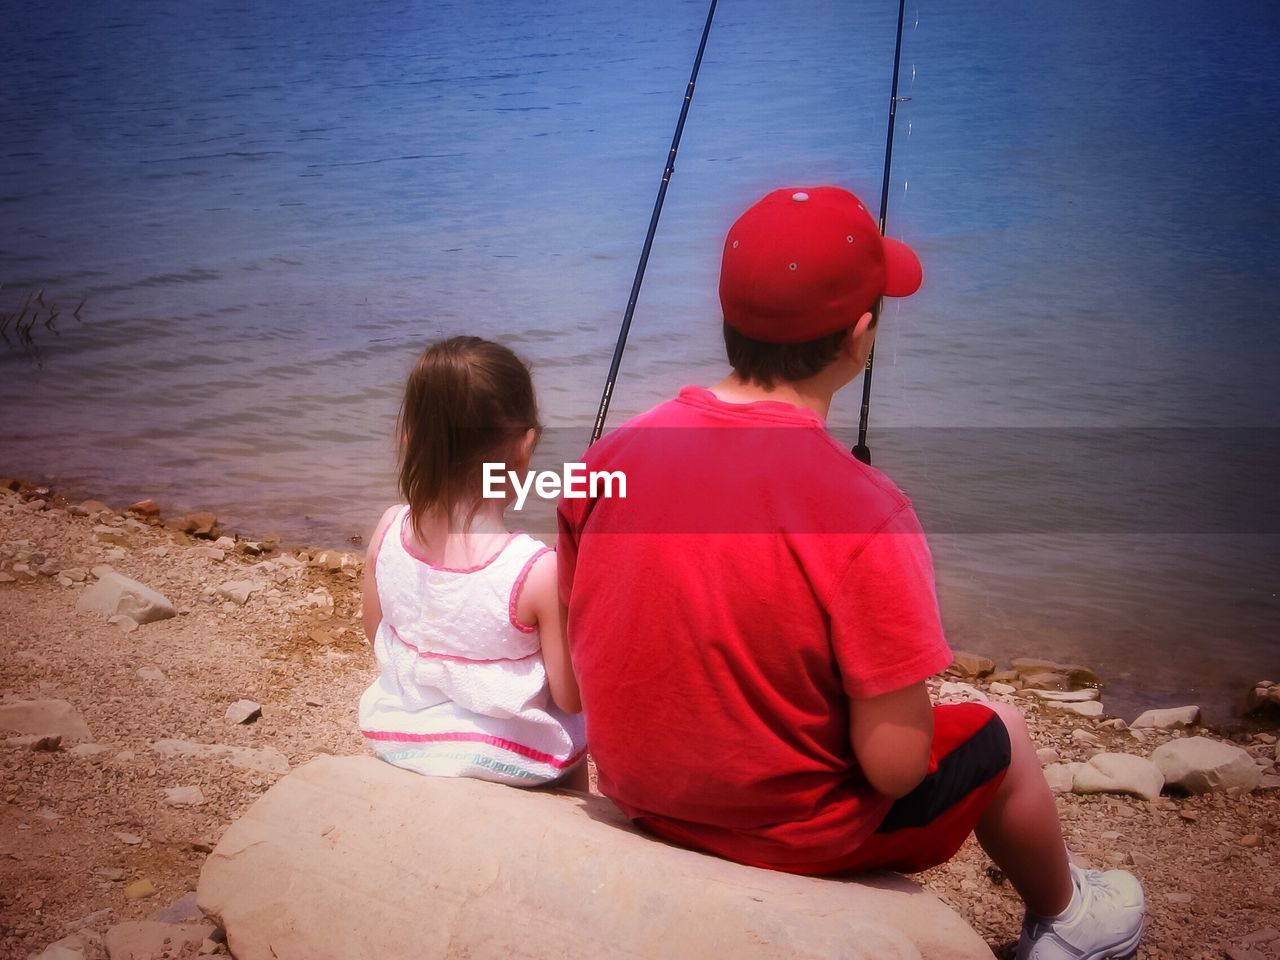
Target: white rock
<point x="1090" y="708"/>
<point x="1166" y="719"/>
<point x="953" y="690"/>
<point x="1201" y="765"/>
<point x="1003" y="689"/>
<point x="1084" y="736"/>
<point x="1119" y="773"/>
<point x="1061" y="776"/>
<point x="126" y="624"/>
<point x="243" y="711"/>
<point x="112" y="535"/>
<point x="117" y="595"/>
<point x="264" y="760"/>
<point x="150" y="673"/>
<point x="147" y="938"/>
<point x="506" y="873"/>
<point x="74" y="947"/>
<point x="239" y="591"/>
<point x="225" y="543"/>
<point x="88" y="750"/>
<point x="191" y="796"/>
<point x="1047" y="755"/>
<point x="43" y="718"/>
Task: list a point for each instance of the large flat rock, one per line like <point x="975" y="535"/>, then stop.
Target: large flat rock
<point x="352" y="857"/>
<point x="43" y="718"/>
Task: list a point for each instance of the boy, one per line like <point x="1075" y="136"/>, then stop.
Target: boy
<point x="752" y="627"/>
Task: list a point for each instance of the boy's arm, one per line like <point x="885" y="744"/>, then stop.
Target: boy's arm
<point x="371" y="607"/>
<point x="887" y="636"/>
<point x="891" y="735"/>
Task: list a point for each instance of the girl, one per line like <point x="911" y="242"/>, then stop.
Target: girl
<point x="464" y="617"/>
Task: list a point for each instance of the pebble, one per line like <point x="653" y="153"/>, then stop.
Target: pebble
<point x="243" y="711"/>
<point x="182" y="910"/>
<point x="200" y="524"/>
<point x="239" y="591"/>
<point x="150" y="673"/>
<point x="140" y="889"/>
<point x="109" y="873"/>
<point x="191" y="796"/>
<point x="145" y="508"/>
<point x="1167" y="719"/>
<point x="1002" y="689"/>
<point x="113" y="535"/>
<point x="1262" y="935"/>
<point x="952" y="690"/>
<point x="130" y="838"/>
<point x="1068" y="696"/>
<point x="1090" y="708"/>
<point x="972" y="664"/>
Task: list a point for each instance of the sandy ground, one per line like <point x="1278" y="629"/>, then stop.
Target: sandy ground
<point x="79" y="826"/>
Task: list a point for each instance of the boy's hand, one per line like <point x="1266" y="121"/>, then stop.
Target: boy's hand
<point x="891" y="735"/>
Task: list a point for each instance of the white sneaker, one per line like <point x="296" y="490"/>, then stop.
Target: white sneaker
<point x="1106" y="922"/>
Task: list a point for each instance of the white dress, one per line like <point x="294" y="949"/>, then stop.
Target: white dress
<point x="462" y="689"/>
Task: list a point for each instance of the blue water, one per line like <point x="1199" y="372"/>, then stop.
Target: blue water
<point x="267" y="210"/>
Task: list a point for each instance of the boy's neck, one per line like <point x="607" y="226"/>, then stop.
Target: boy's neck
<point x="813" y="394"/>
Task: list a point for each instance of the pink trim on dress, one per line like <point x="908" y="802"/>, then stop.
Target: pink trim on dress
<point x="464" y="737"/>
<point x="432" y="655"/>
<point x="515" y="592"/>
<point x="436" y="566"/>
<point x="377" y="547"/>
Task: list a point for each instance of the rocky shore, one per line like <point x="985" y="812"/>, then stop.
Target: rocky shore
<point x="159" y="675"/>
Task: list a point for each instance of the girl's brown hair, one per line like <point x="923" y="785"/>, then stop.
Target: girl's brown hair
<point x="467" y="401"/>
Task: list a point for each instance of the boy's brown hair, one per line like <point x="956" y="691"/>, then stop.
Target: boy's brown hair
<point x="771" y="363"/>
<point x="466" y="402"/>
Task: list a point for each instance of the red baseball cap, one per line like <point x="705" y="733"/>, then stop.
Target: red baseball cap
<point x="804" y="262"/>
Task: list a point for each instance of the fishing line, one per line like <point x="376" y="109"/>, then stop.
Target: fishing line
<point x="653" y="228"/>
<point x="861" y="450"/>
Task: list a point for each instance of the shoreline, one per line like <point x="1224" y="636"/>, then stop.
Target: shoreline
<point x="116" y="818"/>
<point x="1129" y="691"/>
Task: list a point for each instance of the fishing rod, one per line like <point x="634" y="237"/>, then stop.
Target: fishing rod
<point x="653" y="229"/>
<point x="861" y="450"/>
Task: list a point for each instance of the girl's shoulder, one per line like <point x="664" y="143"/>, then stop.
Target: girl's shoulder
<point x="380" y="531"/>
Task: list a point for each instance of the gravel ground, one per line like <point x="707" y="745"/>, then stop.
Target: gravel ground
<point x="79" y="827"/>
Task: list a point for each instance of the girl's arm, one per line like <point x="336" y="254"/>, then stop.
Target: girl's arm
<point x="371" y="607"/>
<point x="539" y="604"/>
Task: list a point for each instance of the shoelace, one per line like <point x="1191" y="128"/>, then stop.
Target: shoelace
<point x="1093" y="880"/>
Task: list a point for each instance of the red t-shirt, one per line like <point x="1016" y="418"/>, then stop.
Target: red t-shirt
<point x="754" y="578"/>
